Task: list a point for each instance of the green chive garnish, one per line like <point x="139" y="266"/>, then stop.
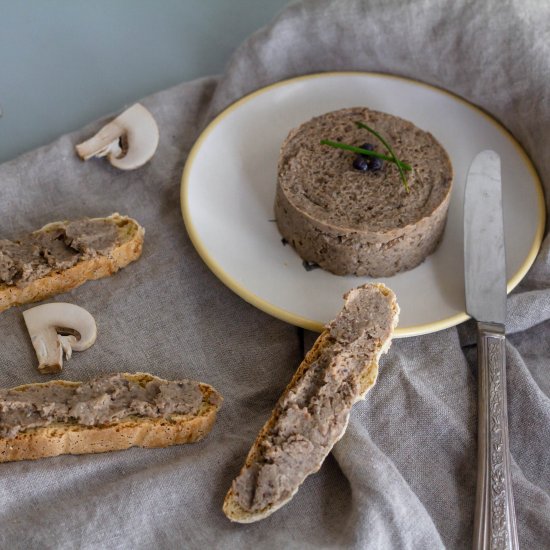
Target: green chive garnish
<point x="401" y="166"/>
<point x="347" y="147"/>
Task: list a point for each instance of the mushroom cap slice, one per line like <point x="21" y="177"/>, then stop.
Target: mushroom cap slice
<point x="128" y="141"/>
<point x="44" y="324"/>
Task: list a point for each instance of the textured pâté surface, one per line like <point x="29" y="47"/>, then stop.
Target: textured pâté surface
<point x="320" y="180"/>
<point x="313" y="411"/>
<point x="362" y="222"/>
<point x="71" y="437"/>
<point x="126" y="249"/>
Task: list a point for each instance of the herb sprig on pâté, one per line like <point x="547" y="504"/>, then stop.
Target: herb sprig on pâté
<point x="390" y="157"/>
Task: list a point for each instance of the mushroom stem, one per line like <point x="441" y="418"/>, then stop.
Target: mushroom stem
<point x="105" y="142"/>
<point x="43" y="324"/>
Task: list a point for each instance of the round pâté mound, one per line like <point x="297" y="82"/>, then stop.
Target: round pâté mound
<point x="349" y="219"/>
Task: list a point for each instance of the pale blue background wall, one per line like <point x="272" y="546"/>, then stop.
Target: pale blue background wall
<point x="64" y="63"/>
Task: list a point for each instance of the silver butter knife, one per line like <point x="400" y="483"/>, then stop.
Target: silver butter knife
<point x="485" y="277"/>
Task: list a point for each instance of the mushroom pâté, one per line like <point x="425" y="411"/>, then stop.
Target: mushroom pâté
<point x="128" y="141"/>
<point x="56" y="329"/>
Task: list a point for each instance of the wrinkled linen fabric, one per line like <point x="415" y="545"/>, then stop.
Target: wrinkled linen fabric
<point x="404" y="474"/>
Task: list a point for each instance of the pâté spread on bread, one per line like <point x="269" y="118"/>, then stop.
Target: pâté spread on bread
<point x="351" y="213"/>
<point x="313" y="412"/>
<point x="63" y="255"/>
<point x="108" y="413"/>
<point x="96" y="402"/>
<point x="58" y="246"/>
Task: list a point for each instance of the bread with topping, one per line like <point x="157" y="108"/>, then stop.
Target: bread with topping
<point x="34" y="425"/>
<point x="313" y="412"/>
<point x="65" y="254"/>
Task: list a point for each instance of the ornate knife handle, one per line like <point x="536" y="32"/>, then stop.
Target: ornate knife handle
<point x="495" y="520"/>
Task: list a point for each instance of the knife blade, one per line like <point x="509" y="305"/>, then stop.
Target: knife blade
<point x="485" y="286"/>
<point x="484" y="254"/>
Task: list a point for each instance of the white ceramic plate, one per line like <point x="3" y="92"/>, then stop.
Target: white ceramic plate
<point x="228" y="189"/>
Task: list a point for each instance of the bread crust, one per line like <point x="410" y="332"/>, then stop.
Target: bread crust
<point x="71" y="438"/>
<point x="57" y="282"/>
<point x="231" y="507"/>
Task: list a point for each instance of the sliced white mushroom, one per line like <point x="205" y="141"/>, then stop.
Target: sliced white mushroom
<point x="128" y="141"/>
<point x="57" y="329"/>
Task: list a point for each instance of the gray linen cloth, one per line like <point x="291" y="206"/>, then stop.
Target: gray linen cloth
<point x="403" y="476"/>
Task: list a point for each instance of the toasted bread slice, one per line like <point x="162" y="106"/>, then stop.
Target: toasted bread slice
<point x="330" y="341"/>
<point x="128" y="249"/>
<point x="134" y="431"/>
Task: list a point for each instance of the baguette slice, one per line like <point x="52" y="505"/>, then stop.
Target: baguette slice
<point x="55" y="282"/>
<point x="134" y="431"/>
<point x="366" y="349"/>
